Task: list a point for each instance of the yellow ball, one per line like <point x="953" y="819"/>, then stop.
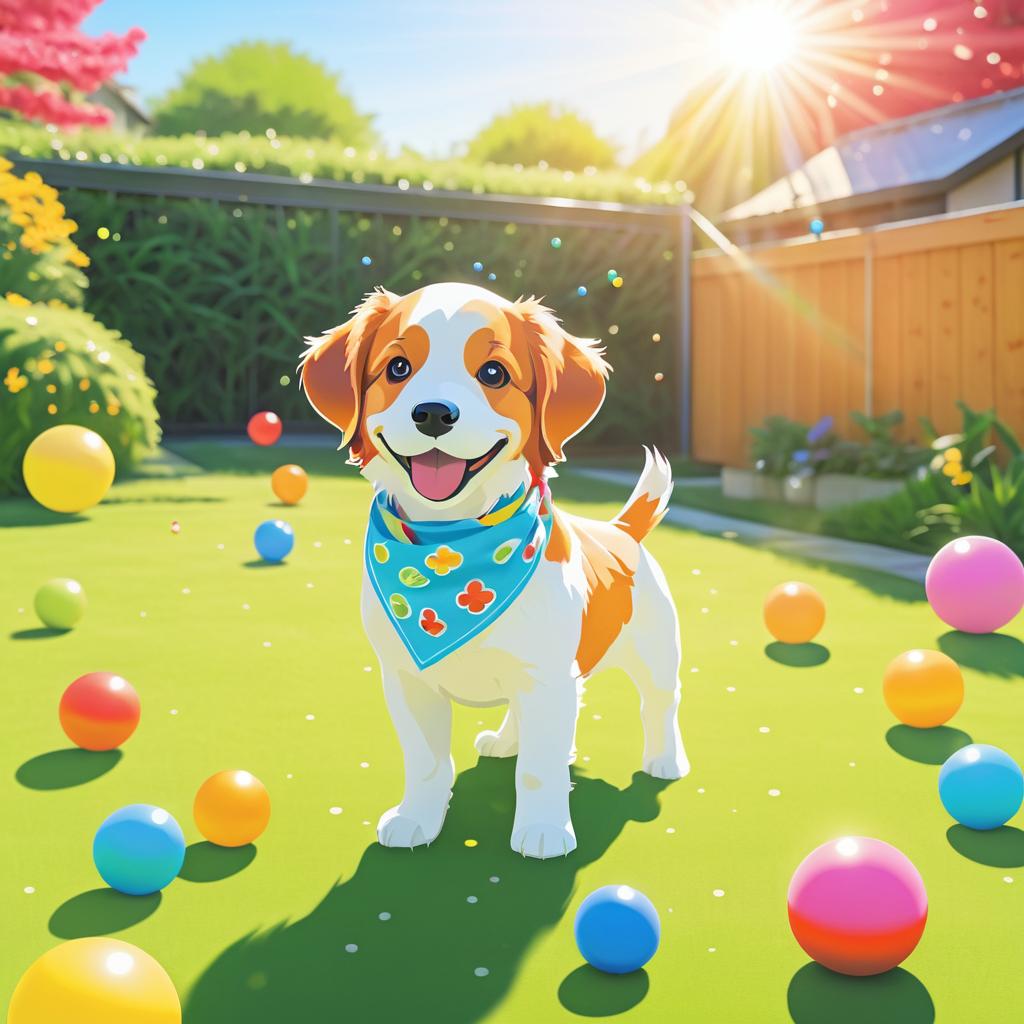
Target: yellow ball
<point x="923" y="688"/>
<point x="68" y="468"/>
<point x="794" y="613"/>
<point x="289" y="483"/>
<point x="232" y="808"/>
<point x="95" y="981"/>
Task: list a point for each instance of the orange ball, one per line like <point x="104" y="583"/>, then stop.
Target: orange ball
<point x="232" y="808"/>
<point x="289" y="483"/>
<point x="99" y="711"/>
<point x="923" y="688"/>
<point x="794" y="613"/>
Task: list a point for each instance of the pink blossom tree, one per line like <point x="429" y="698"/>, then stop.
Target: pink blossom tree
<point x="47" y="65"/>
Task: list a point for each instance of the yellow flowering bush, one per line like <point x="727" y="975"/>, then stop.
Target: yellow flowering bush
<point x="38" y="258"/>
<point x="60" y="365"/>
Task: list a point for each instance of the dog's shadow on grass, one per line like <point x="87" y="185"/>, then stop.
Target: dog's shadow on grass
<point x="437" y="932"/>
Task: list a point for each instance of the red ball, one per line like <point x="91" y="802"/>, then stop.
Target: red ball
<point x="99" y="711"/>
<point x="264" y="428"/>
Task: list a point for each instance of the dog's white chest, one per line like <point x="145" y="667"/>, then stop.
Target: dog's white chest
<point x="540" y="628"/>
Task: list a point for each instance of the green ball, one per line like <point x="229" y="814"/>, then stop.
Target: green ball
<point x="61" y="603"/>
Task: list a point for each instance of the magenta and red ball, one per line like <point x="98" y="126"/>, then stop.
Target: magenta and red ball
<point x="264" y="428"/>
<point x="857" y="905"/>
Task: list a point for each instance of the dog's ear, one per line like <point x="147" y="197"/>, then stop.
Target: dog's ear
<point x="570" y="381"/>
<point x="333" y="365"/>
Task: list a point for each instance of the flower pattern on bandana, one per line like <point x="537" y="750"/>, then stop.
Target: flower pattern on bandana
<point x="475" y="598"/>
<point x="430" y="623"/>
<point x="443" y="560"/>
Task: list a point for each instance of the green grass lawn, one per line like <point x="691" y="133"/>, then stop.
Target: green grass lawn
<point x="267" y="669"/>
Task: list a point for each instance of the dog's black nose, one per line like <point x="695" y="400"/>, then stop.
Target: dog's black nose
<point x="435" y="418"/>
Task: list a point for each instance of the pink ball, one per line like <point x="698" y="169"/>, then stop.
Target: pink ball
<point x="857" y="906"/>
<point x="975" y="584"/>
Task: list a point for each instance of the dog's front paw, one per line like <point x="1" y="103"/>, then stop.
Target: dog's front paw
<point x="668" y="766"/>
<point x="491" y="743"/>
<point x="544" y="841"/>
<point x="405" y="830"/>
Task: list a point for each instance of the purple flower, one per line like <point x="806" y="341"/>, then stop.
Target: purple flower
<point x="820" y="429"/>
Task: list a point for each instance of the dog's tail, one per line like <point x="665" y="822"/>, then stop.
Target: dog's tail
<point x="648" y="503"/>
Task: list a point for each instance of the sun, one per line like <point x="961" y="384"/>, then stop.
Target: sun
<point x="757" y="37"/>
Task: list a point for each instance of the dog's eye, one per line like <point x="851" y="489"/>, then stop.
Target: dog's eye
<point x="398" y="369"/>
<point x="492" y="375"/>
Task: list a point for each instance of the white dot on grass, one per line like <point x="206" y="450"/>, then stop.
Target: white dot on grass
<point x="309" y="718"/>
<point x="245" y="607"/>
<point x="597" y="718"/>
<point x="671" y="831"/>
<point x="730" y="534"/>
<point x="471" y="899"/>
<point x="173" y="711"/>
<point x="695" y="572"/>
<point x="704" y="611"/>
<point x="1008" y="879"/>
<point x="289" y="776"/>
<point x="267" y="643"/>
<point x="775" y="792"/>
<point x="713" y="590"/>
<point x="220" y="547"/>
<point x="853" y="764"/>
<point x="701" y="790"/>
<point x="711" y="949"/>
<point x="494" y="879"/>
<point x="347" y="541"/>
<point x="858" y="689"/>
<point x="366" y="823"/>
<point x="309" y="586"/>
<point x="334" y="810"/>
<point x="730" y="689"/>
<point x="481" y="972"/>
<point x="29" y="889"/>
<point x="587" y="758"/>
<point x="364" y="764"/>
<point x="763" y="728"/>
<point x="21" y="611"/>
<point x="383" y="916"/>
<point x="367" y="668"/>
<point x="351" y="948"/>
<point x="718" y="892"/>
<point x="186" y="590"/>
<point x="694" y="670"/>
<point x="142" y="615"/>
<point x="734" y="643"/>
<point x="318" y="544"/>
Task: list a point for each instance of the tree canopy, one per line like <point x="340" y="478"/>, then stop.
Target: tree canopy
<point x="534" y="133"/>
<point x="259" y="86"/>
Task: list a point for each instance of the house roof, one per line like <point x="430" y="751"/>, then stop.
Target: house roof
<point x="928" y="152"/>
<point x="126" y="94"/>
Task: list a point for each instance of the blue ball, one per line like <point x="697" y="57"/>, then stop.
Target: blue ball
<point x="478" y="266"/>
<point x="139" y="849"/>
<point x="492" y="277"/>
<point x="817" y="226"/>
<point x="981" y="786"/>
<point x="274" y="539"/>
<point x="617" y="929"/>
<point x="366" y="261"/>
<point x="581" y="291"/>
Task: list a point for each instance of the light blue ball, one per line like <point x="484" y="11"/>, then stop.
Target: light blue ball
<point x="617" y="929"/>
<point x="274" y="539"/>
<point x="139" y="849"/>
<point x="556" y="243"/>
<point x="478" y="266"/>
<point x="581" y="291"/>
<point x="817" y="226"/>
<point x="981" y="786"/>
<point x="366" y="261"/>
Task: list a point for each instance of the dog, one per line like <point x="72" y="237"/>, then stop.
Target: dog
<point x="456" y="404"/>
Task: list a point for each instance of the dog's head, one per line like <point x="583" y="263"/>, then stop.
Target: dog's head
<point x="443" y="394"/>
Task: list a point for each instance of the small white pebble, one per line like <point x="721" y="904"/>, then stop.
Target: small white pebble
<point x="471" y="899"/>
<point x="245" y="607"/>
<point x="186" y="590"/>
<point x="774" y="792"/>
<point x="383" y="916"/>
<point x="695" y="572"/>
<point x="29" y="889"/>
<point x="267" y="643"/>
<point x="334" y="810"/>
<point x="858" y="689"/>
<point x="142" y="615"/>
<point x="351" y="948"/>
<point x="289" y="776"/>
<point x="364" y="764"/>
<point x="718" y="892"/>
<point x="494" y="879"/>
<point x="587" y="757"/>
<point x="367" y="668"/>
<point x="481" y="972"/>
<point x="711" y="949"/>
<point x="173" y="711"/>
<point x="671" y="831"/>
<point x="309" y="718"/>
<point x="317" y="544"/>
<point x="694" y="670"/>
<point x="734" y="643"/>
<point x="597" y="718"/>
<point x="1008" y="879"/>
<point x="309" y="586"/>
<point x="701" y="790"/>
<point x="347" y="541"/>
<point x="853" y="764"/>
<point x="366" y="823"/>
<point x="704" y="611"/>
<point x="730" y="689"/>
<point x="763" y="728"/>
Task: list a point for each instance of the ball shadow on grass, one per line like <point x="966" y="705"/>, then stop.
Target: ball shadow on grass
<point x="100" y="912"/>
<point x="927" y="746"/>
<point x="819" y="996"/>
<point x="259" y="563"/>
<point x="589" y="992"/>
<point x="62" y="769"/>
<point x="798" y="655"/>
<point x="994" y="653"/>
<point x="996" y="847"/>
<point x="206" y="862"/>
<point x="38" y="633"/>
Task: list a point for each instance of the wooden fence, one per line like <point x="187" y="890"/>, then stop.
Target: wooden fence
<point x="909" y="316"/>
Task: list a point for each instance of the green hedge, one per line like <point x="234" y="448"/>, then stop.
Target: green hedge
<point x="62" y="366"/>
<point x="218" y="297"/>
<point x="321" y="158"/>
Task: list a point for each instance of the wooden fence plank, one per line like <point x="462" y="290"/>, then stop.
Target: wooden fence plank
<point x="1009" y="332"/>
<point x="977" y="327"/>
<point x="913" y="340"/>
<point x="887" y="363"/>
<point x="943" y="340"/>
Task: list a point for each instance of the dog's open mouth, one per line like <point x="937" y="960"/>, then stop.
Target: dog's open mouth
<point x="438" y="476"/>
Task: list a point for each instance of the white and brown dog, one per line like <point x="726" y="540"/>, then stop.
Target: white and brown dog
<point x="456" y="403"/>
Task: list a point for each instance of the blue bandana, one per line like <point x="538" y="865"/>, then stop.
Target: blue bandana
<point x="443" y="583"/>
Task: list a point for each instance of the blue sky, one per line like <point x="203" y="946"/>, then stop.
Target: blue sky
<point x="434" y="71"/>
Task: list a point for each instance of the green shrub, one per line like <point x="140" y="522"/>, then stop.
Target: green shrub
<point x="218" y="297"/>
<point x="884" y="455"/>
<point x="320" y="158"/>
<point x="775" y="444"/>
<point x="62" y="366"/>
<point x="38" y="259"/>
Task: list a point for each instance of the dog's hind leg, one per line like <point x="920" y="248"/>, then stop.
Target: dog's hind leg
<point x="648" y="650"/>
<point x="500" y="742"/>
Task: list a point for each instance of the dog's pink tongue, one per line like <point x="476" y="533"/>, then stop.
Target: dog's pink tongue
<point x="436" y="475"/>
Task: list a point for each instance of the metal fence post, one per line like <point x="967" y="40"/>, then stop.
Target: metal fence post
<point x="685" y="328"/>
